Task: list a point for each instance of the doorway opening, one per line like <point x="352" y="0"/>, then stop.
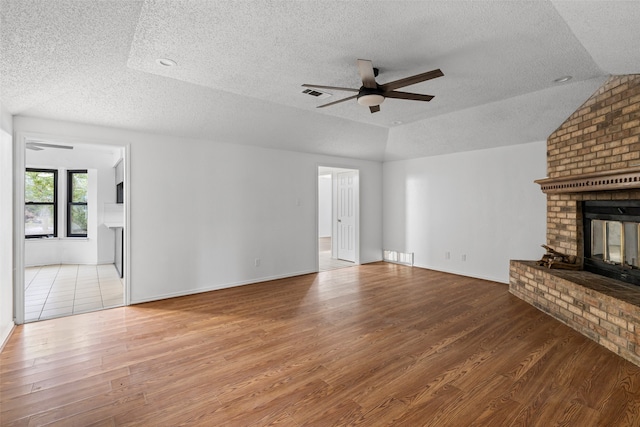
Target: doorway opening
<point x="338" y="218"/>
<point x="70" y="226"/>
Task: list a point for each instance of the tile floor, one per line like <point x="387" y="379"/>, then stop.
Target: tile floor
<point x="327" y="263"/>
<point x="62" y="290"/>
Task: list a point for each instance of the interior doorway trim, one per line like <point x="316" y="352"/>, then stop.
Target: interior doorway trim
<point x="19" y="165"/>
<point x="334" y="169"/>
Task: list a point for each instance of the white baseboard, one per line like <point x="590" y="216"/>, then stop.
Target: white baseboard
<point x="464" y="273"/>
<point x="5" y="334"/>
<point x="218" y="287"/>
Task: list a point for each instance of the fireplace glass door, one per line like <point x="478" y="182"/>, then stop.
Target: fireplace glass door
<point x="616" y="242"/>
<point x="611" y="238"/>
<point x="631" y="240"/>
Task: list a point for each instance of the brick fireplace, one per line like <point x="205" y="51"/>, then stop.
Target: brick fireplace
<point x="593" y="155"/>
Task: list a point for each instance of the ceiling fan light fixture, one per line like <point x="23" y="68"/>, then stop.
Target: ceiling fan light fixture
<point x="371" y="99"/>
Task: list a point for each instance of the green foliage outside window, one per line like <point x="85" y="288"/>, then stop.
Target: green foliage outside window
<point x="79" y="186"/>
<point x="78" y="211"/>
<point x="40" y="203"/>
<point x="39" y="187"/>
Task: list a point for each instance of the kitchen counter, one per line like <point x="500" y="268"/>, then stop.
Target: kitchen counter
<point x="114" y="224"/>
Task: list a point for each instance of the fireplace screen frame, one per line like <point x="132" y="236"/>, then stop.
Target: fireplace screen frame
<point x="604" y="216"/>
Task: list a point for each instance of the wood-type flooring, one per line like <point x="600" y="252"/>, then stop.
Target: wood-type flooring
<point x="372" y="345"/>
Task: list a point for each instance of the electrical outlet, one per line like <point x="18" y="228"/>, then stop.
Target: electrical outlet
<point x="256" y="262"/>
<point x="447" y="255"/>
<point x="464" y="257"/>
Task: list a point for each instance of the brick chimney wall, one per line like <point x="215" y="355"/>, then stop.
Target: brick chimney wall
<point x="602" y="135"/>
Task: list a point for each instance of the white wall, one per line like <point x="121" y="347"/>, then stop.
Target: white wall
<point x="203" y="211"/>
<point x="481" y="204"/>
<point x="6" y="226"/>
<point x="98" y="247"/>
<point x="324" y="206"/>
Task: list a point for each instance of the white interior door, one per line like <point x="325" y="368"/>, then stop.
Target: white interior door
<point x="346" y="215"/>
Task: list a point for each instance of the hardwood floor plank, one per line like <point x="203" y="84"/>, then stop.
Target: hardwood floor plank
<point x="31" y="403"/>
<point x="385" y="414"/>
<point x="269" y="380"/>
<point x="109" y="422"/>
<point x="7" y="393"/>
<point x="182" y="406"/>
<point x="41" y="375"/>
<point x="473" y="402"/>
<point x="63" y="394"/>
<point x="95" y="409"/>
<point x="618" y="403"/>
<point x="20" y="365"/>
<point x="476" y="403"/>
<point x="426" y="411"/>
<point x="378" y="344"/>
<point x="327" y="405"/>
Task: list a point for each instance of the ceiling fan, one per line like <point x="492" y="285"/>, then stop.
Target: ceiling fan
<point x="372" y="94"/>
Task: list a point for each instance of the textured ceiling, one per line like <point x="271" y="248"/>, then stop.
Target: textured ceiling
<point x="240" y="66"/>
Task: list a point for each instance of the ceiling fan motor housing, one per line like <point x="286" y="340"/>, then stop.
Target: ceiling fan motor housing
<point x="370" y="97"/>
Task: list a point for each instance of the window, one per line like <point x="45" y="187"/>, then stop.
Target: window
<point x="77" y="203"/>
<point x="41" y="203"/>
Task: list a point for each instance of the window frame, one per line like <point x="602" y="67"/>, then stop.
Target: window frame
<point x="54" y="203"/>
<point x="71" y="203"/>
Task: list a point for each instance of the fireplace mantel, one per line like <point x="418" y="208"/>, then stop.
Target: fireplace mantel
<point x="621" y="179"/>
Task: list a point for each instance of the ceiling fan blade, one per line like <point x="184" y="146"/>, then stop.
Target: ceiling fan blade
<point x="365" y="67"/>
<point x="42" y="145"/>
<point x="348" y="89"/>
<point x="407" y="95"/>
<point x="407" y="81"/>
<point x="337" y="102"/>
<point x="374" y="109"/>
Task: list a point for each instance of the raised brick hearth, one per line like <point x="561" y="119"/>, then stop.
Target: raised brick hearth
<point x="593" y="155"/>
<point x="603" y="309"/>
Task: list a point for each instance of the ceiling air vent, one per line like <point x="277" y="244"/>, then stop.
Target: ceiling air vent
<point x="316" y="93"/>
